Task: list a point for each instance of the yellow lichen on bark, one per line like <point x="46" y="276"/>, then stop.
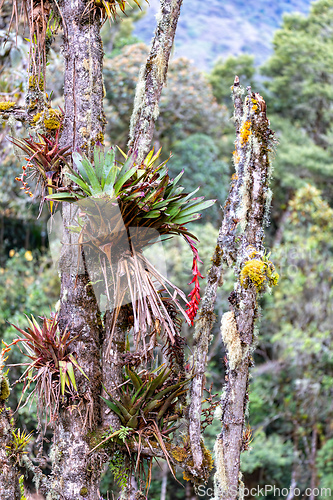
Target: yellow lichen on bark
<point x="51" y="118"/>
<point x="258" y="273"/>
<point x="5" y="105"/>
<point x="245" y="132"/>
<point x="4" y="389"/>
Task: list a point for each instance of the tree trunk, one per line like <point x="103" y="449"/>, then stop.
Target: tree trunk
<point x="224" y="254"/>
<point x="112" y="363"/>
<point x="202" y="337"/>
<point x="189" y="492"/>
<point x="252" y="202"/>
<point x="75" y="473"/>
<point x="9" y="486"/>
<point x="165" y="471"/>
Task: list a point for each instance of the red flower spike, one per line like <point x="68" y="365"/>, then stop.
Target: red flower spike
<point x="194" y="295"/>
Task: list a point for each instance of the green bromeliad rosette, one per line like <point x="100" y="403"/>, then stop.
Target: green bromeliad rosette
<point x="122" y="209"/>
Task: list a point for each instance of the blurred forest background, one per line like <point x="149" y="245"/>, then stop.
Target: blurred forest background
<point x="290" y="62"/>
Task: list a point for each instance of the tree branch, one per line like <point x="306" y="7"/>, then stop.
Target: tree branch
<point x="152" y="78"/>
<point x="9" y="485"/>
<point x="253" y="145"/>
<point x="225" y="253"/>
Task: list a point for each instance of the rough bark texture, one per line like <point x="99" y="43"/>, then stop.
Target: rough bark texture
<point x="9" y="487"/>
<point x="253" y="144"/>
<point x="225" y="253"/>
<point x="202" y="337"/>
<point x="112" y="363"/>
<point x="152" y="78"/>
<point x="76" y="474"/>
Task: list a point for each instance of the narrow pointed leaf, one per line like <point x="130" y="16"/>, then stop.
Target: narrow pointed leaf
<point x="70" y="371"/>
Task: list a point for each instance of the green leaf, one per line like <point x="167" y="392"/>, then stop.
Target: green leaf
<point x="93" y="180"/>
<point x="68" y="197"/>
<point x="133" y="422"/>
<point x="123" y="178"/>
<point x="186" y="219"/>
<point x="63" y="373"/>
<point x="76" y="364"/>
<point x="136" y="380"/>
<point x="99" y="160"/>
<point x="80" y="182"/>
<point x="152" y="405"/>
<point x="168" y="402"/>
<point x="125" y="400"/>
<point x="110" y="170"/>
<point x="152" y="215"/>
<point x="158" y="380"/>
<point x="197" y="207"/>
<point x="77" y="161"/>
<point x="173" y="212"/>
<point x="190" y="195"/>
<point x="177" y="178"/>
<point x="108" y="183"/>
<point x="171" y="388"/>
<point x="114" y="408"/>
<point x="70" y="371"/>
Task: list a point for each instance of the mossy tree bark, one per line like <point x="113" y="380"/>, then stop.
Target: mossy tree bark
<point x="242" y="232"/>
<point x="9" y="485"/>
<point x="251" y="205"/>
<point x="152" y="78"/>
<point x="75" y="473"/>
<point x="225" y="254"/>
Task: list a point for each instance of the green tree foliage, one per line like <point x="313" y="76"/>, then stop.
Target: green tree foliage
<point x="299" y="160"/>
<point x="29" y="284"/>
<point x="301" y="70"/>
<point x="325" y="465"/>
<point x="272" y="455"/>
<point x="294" y="384"/>
<point x="120" y="33"/>
<point x="223" y="74"/>
<point x="199" y="156"/>
<point x="187" y="104"/>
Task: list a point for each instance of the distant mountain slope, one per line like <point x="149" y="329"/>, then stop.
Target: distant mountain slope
<point x="207" y="30"/>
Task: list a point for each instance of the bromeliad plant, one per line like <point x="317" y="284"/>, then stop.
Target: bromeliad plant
<point x="20" y="440"/>
<point x="45" y="160"/>
<point x="110" y="6"/>
<point x="51" y="366"/>
<point x="148" y="404"/>
<point x="138" y="201"/>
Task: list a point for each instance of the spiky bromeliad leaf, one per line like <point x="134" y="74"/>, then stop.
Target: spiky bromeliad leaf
<point x="146" y="196"/>
<point x="145" y="400"/>
<point x="20" y="439"/>
<point x="110" y="6"/>
<point x="115" y="197"/>
<point x="45" y="161"/>
<point x="104" y="178"/>
<point x="148" y="410"/>
<point x="51" y="364"/>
